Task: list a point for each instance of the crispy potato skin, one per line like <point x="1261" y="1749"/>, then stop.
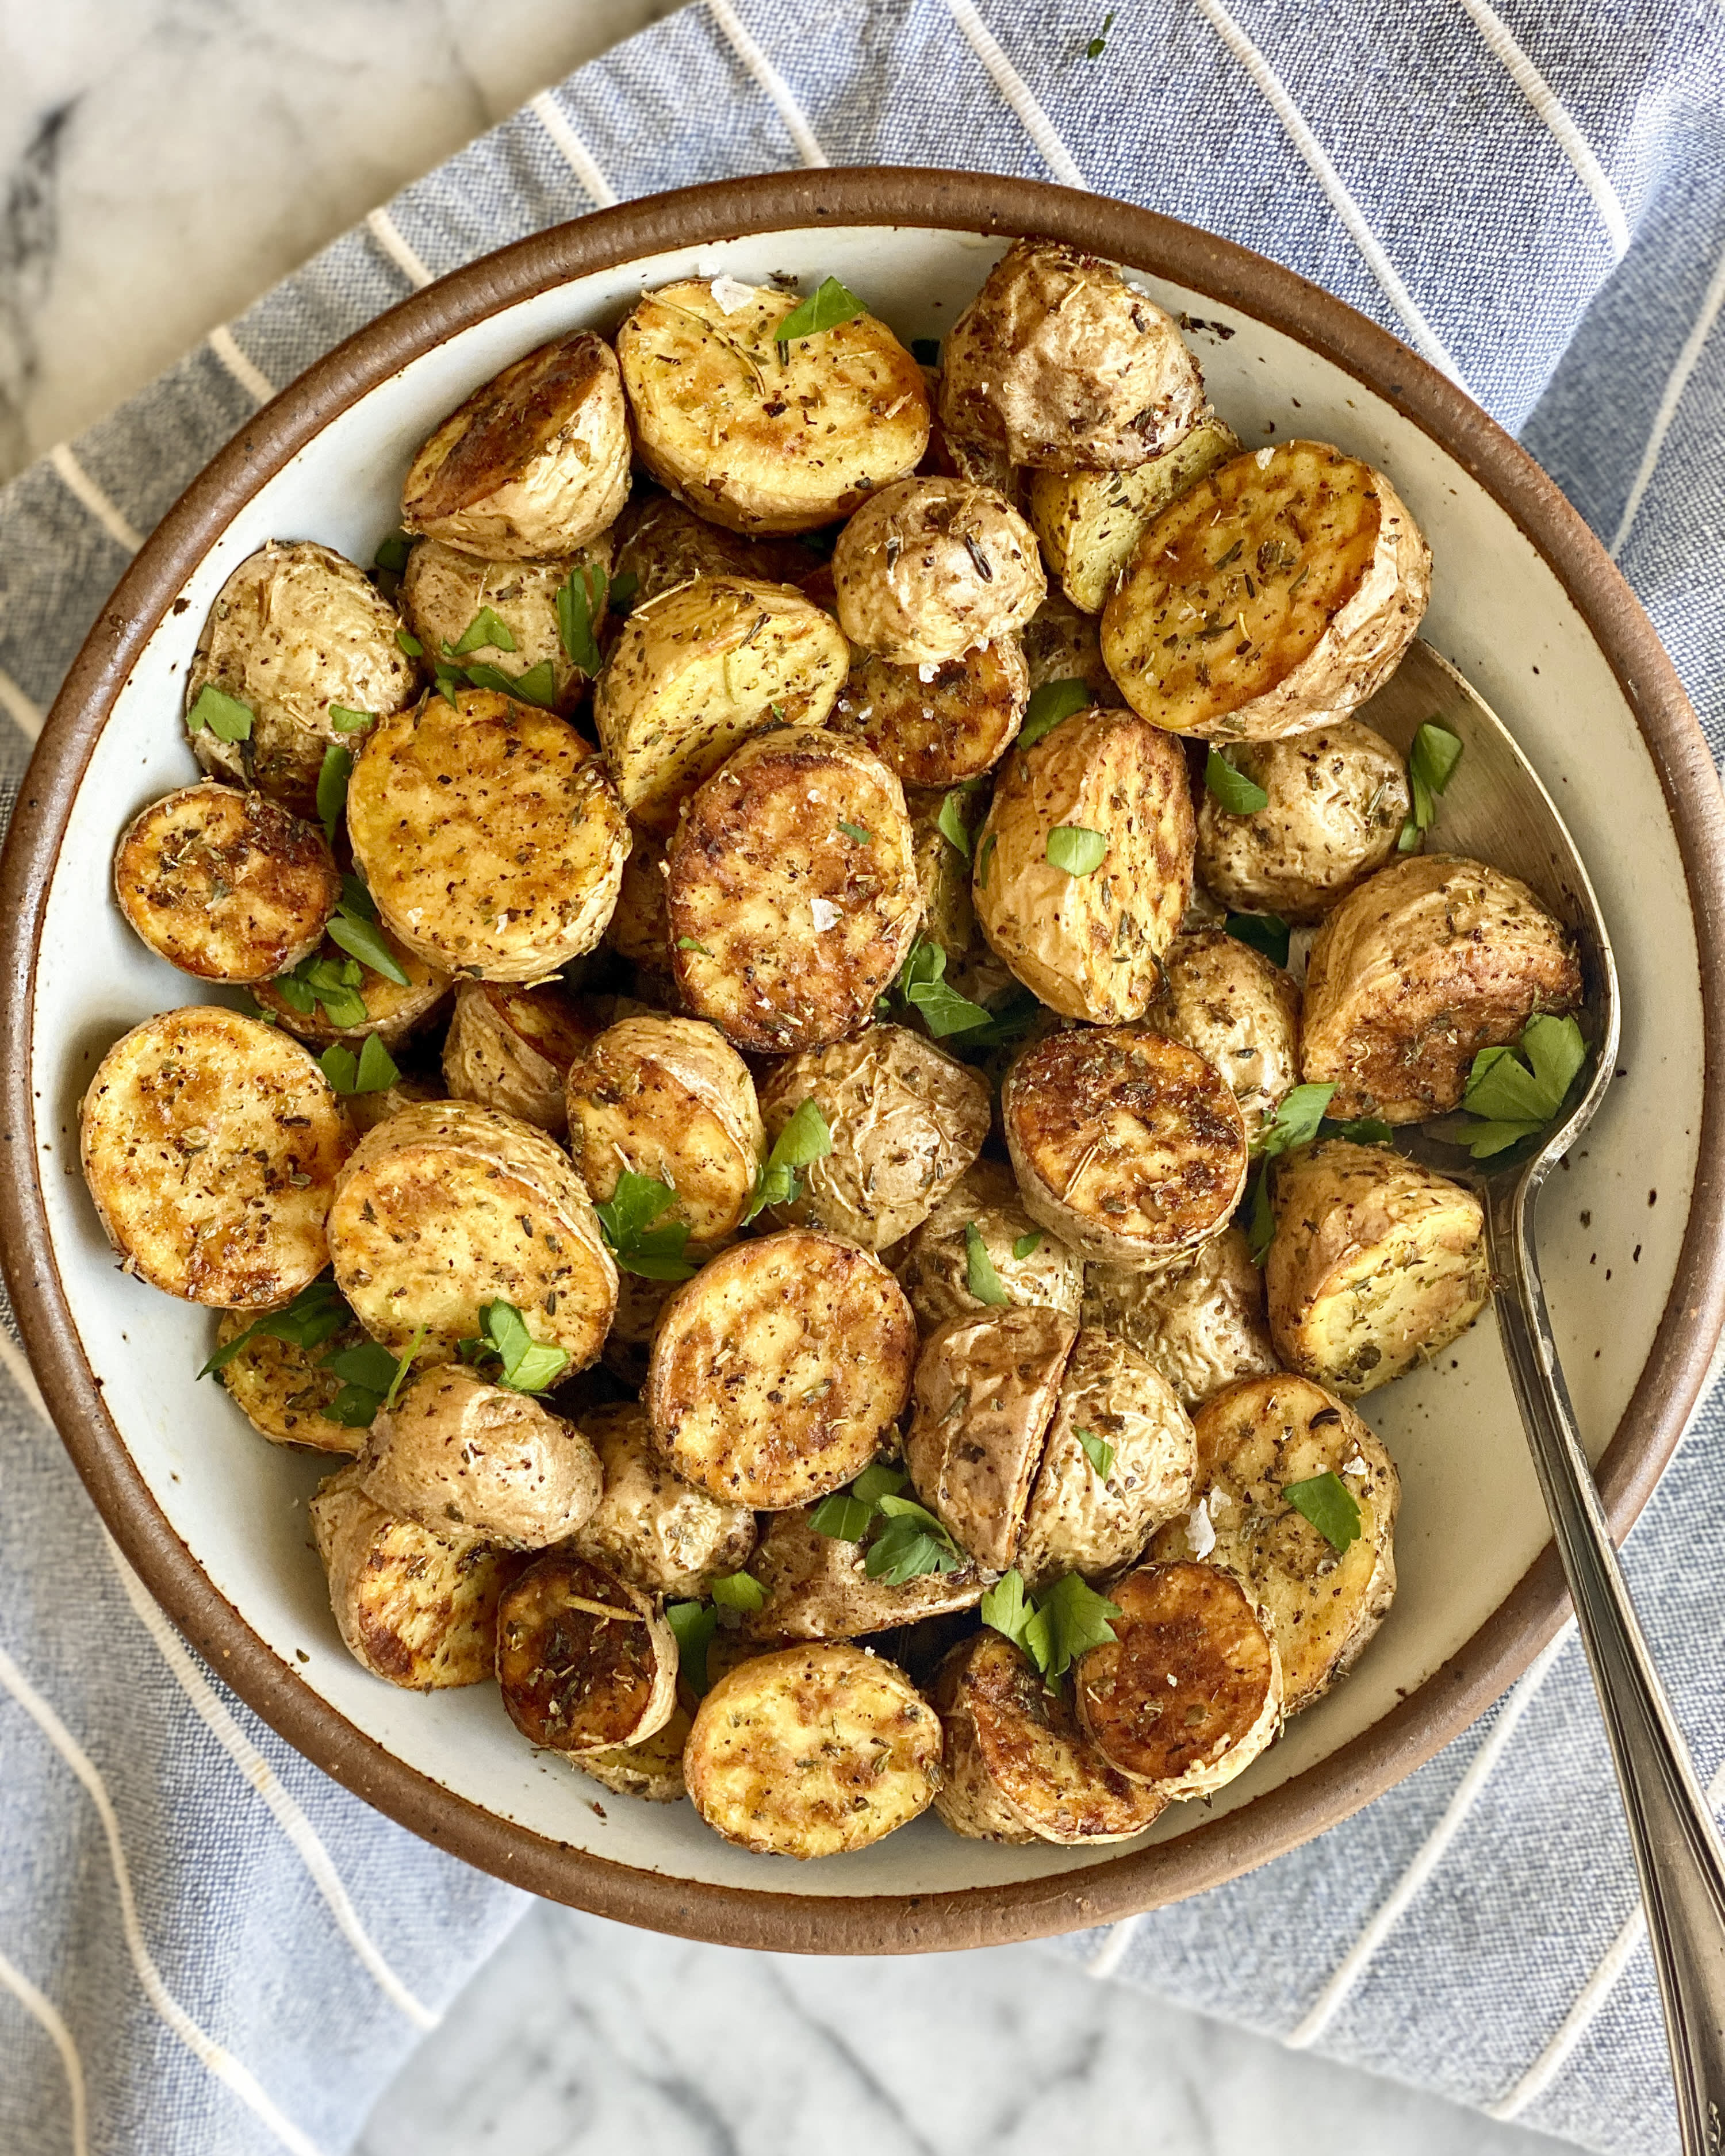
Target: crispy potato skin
<point x="1323" y="1606"/>
<point x="761" y="437"/>
<point x="932" y="1265"/>
<point x="1088" y="945"/>
<point x="510" y="1048"/>
<point x="652" y="1528"/>
<point x="1128" y="1145"/>
<point x="928" y="569"/>
<point x="1277" y="593"/>
<point x="1089" y="522"/>
<point x="785" y="929"/>
<point x="1059" y="363"/>
<point x="225" y="884"/>
<point x="394" y="1012"/>
<point x="813" y="1751"/>
<point x="1062" y="644"/>
<point x="779" y="1370"/>
<point x="639" y="930"/>
<point x="1377" y="1264"/>
<point x="907" y="1119"/>
<point x="818" y="1588"/>
<point x="534" y="464"/>
<point x="1421" y="967"/>
<point x="443" y="590"/>
<point x="446" y="1207"/>
<point x="1018" y="1767"/>
<point x="954" y="726"/>
<point x="211" y="1146"/>
<point x="1239" y="1011"/>
<point x="584" y="1660"/>
<point x="1189" y="1691"/>
<point x="1338" y="797"/>
<point x="1200" y="1319"/>
<point x="652" y="1770"/>
<point x="282" y="1391"/>
<point x="661" y="544"/>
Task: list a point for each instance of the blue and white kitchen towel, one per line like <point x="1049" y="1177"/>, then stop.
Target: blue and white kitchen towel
<point x="207" y="1947"/>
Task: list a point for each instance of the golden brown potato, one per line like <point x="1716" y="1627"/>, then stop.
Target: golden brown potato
<point x="939" y="725"/>
<point x="418" y="1609"/>
<point x="393" y="1011"/>
<point x="1018" y="1767"/>
<point x="447" y="1207"/>
<point x="283" y="1391"/>
<point x="1239" y="1011"/>
<point x="1420" y="967"/>
<point x="1255" y="1441"/>
<point x="639" y="930"/>
<point x="1028" y="1265"/>
<point x="1338" y="797"/>
<point x="813" y="1751"/>
<point x="225" y="884"/>
<point x="445" y="591"/>
<point x="299" y="636"/>
<point x="1089" y="522"/>
<point x="366" y="1110"/>
<point x="629" y="1342"/>
<point x="699" y="670"/>
<point x="779" y="1370"/>
<point x="1061" y="644"/>
<point x="585" y="1660"/>
<point x="1189" y="1691"/>
<point x="211" y="1146"/>
<point x="1085" y="864"/>
<point x="1277" y="593"/>
<point x="1127" y="1145"/>
<point x="785" y="926"/>
<point x="929" y="568"/>
<point x="652" y="1770"/>
<point x="1377" y="1264"/>
<point x="489" y="835"/>
<point x="1200" y="1319"/>
<point x="906" y="1121"/>
<point x="662" y="544"/>
<point x="759" y="434"/>
<point x="671" y="1099"/>
<point x="652" y="1528"/>
<point x="534" y="464"/>
<point x="1060" y="362"/>
<point x="819" y="1589"/>
<point x="510" y="1048"/>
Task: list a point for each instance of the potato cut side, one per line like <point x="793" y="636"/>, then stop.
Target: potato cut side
<point x="661" y="543"/>
<point x="1189" y="1691"/>
<point x="283" y="1391"/>
<point x="1278" y="591"/>
<point x="489" y="835"/>
<point x="445" y="594"/>
<point x="812" y="1752"/>
<point x="1200" y="1319"/>
<point x="779" y="1370"/>
<point x="817" y="1586"/>
<point x="510" y="1048"/>
<point x="1239" y="1011"/>
<point x="446" y="1207"/>
<point x="938" y="726"/>
<point x="1127" y="1145"/>
<point x="585" y="1660"/>
<point x="1089" y="522"/>
<point x="639" y="930"/>
<point x="211" y="1146"/>
<point x="393" y="1010"/>
<point x="652" y="1770"/>
<point x="935" y="1268"/>
<point x="699" y="670"/>
<point x="929" y="568"/>
<point x="652" y="1528"/>
<point x="785" y="927"/>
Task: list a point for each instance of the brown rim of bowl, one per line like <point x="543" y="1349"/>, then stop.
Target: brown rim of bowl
<point x="1458" y="1691"/>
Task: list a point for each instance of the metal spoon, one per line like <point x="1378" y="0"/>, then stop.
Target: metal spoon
<point x="1502" y="814"/>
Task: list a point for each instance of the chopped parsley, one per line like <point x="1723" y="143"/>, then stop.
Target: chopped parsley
<point x="581" y="604"/>
<point x="1267" y="933"/>
<point x="1327" y="1502"/>
<point x="1226" y="782"/>
<point x="1099" y="43"/>
<point x="739" y="1590"/>
<point x="306" y="1323"/>
<point x="1431" y="765"/>
<point x="487" y="628"/>
<point x="639" y="1247"/>
<point x="1513" y="1092"/>
<point x="1079" y="851"/>
<point x="804" y="1140"/>
<point x="1027" y="1246"/>
<point x="951" y="821"/>
<point x="693" y="1624"/>
<point x="1298" y="1116"/>
<point x="1051" y="706"/>
<point x="227" y="718"/>
<point x="372" y="1070"/>
<point x="1099" y="1455"/>
<point x="826" y="307"/>
<point x="904" y="1540"/>
<point x="980" y="1276"/>
<point x="528" y="1365"/>
<point x="1053" y="1627"/>
<point x="332" y="786"/>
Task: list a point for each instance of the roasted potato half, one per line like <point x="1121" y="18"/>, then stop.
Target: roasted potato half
<point x="762" y="435"/>
<point x="906" y="1120"/>
<point x="1089" y="522"/>
<point x="652" y="1528"/>
<point x="393" y="1009"/>
<point x="283" y="1390"/>
<point x="661" y="544"/>
<point x="1257" y="1441"/>
<point x="1338" y="797"/>
<point x="1377" y="1264"/>
<point x="779" y="1370"/>
<point x="534" y="464"/>
<point x="444" y="594"/>
<point x="1128" y="1145"/>
<point x="785" y="926"/>
<point x="1059" y="361"/>
<point x="1062" y="644"/>
<point x="929" y="568"/>
<point x="639" y="930"/>
<point x="1084" y="868"/>
<point x="937" y="726"/>
<point x="211" y="1145"/>
<point x="585" y="1660"/>
<point x="446" y="1207"/>
<point x="1417" y="969"/>
<point x="1239" y="1011"/>
<point x="812" y="1752"/>
<point x="936" y="1267"/>
<point x="652" y="1770"/>
<point x="510" y="1048"/>
<point x="1200" y="1318"/>
<point x="817" y="1586"/>
<point x="698" y="669"/>
<point x="366" y="1110"/>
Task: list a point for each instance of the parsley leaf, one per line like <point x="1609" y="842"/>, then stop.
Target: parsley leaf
<point x="1361" y="1130"/>
<point x="581" y="603"/>
<point x="621" y="596"/>
<point x="1053" y="1628"/>
<point x="227" y="718"/>
<point x="1050" y="706"/>
<point x="843" y="1518"/>
<point x="1027" y="1246"/>
<point x="879" y="1480"/>
<point x="923" y="985"/>
<point x="363" y="940"/>
<point x="487" y="627"/>
<point x="689" y="943"/>
<point x="1327" y="1502"/>
<point x="331" y="982"/>
<point x="980" y="1276"/>
<point x="951" y="821"/>
<point x="351" y="722"/>
<point x="1099" y="1455"/>
<point x="528" y="1366"/>
<point x="1431" y="765"/>
<point x="1099" y="43"/>
<point x="804" y="1139"/>
<point x="372" y="1070"/>
<point x="1298" y="1115"/>
<point x="405" y="1364"/>
<point x="392" y="552"/>
<point x="739" y="1590"/>
<point x="1267" y="932"/>
<point x="1226" y="782"/>
<point x="824" y="309"/>
<point x="1260" y="1214"/>
<point x="693" y="1624"/>
<point x="912" y="1543"/>
<point x="410" y="643"/>
<point x="639" y="1247"/>
<point x="333" y="788"/>
<point x="371" y="1378"/>
<point x="307" y="1322"/>
<point x="984" y="858"/>
<point x="1079" y="851"/>
<point x="1513" y="1092"/>
<point x="859" y="832"/>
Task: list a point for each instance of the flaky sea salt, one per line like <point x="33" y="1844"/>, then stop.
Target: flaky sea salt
<point x="728" y="294"/>
<point x="826" y="914"/>
<point x="1199" y="1532"/>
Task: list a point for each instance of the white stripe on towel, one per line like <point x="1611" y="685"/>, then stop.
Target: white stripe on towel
<point x="576" y="154"/>
<point x="387" y="233"/>
<point x="263" y="1778"/>
<point x="252" y="379"/>
<point x="771" y="81"/>
<point x="28" y="713"/>
<point x="218" y="2061"/>
<point x="79" y="482"/>
<point x="1018" y="94"/>
<point x="1688" y="361"/>
<point x="34" y="2002"/>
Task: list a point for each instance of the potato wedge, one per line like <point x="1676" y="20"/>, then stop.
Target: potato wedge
<point x="939" y="725"/>
<point x="1417" y="969"/>
<point x="639" y="930"/>
<point x="928" y="569"/>
<point x="211" y="1145"/>
<point x="447" y="1207"/>
<point x="779" y="1370"/>
<point x="812" y="1752"/>
<point x="1277" y="593"/>
<point x="762" y="435"/>
<point x="652" y="1770"/>
<point x="1200" y="1319"/>
<point x="283" y="1391"/>
<point x="1084" y="931"/>
<point x="1062" y="644"/>
<point x="935" y="1268"/>
<point x="785" y="928"/>
<point x="585" y="1660"/>
<point x="652" y="1528"/>
<point x="1089" y="522"/>
<point x="510" y="1048"/>
<point x="392" y="1011"/>
<point x="661" y="544"/>
<point x="817" y="1586"/>
<point x="1128" y="1145"/>
<point x="444" y="593"/>
<point x="1189" y="1691"/>
<point x="1239" y="1011"/>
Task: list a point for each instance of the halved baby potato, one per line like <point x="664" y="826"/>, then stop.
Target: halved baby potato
<point x="283" y="1390"/>
<point x="929" y="568"/>
<point x="936" y="1267"/>
<point x="585" y="1661"/>
<point x="1089" y="522"/>
<point x="510" y="1048"/>
<point x="210" y="1144"/>
<point x="366" y="1110"/>
<point x="393" y="1009"/>
<point x="1278" y="592"/>
<point x="652" y="1770"/>
<point x="817" y="1586"/>
<point x="661" y="543"/>
<point x="1062" y="644"/>
<point x="1200" y="1319"/>
<point x="650" y="1527"/>
<point x="937" y="726"/>
<point x="1239" y="1011"/>
<point x="444" y="591"/>
<point x="640" y="929"/>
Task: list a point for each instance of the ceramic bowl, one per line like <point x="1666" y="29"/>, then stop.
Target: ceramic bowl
<point x="1525" y="604"/>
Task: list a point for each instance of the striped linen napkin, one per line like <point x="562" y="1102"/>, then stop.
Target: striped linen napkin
<point x="206" y="1946"/>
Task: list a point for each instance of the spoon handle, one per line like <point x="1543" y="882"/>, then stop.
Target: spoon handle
<point x="1677" y="1846"/>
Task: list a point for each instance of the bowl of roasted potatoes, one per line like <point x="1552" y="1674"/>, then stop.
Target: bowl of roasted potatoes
<point x="719" y="970"/>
